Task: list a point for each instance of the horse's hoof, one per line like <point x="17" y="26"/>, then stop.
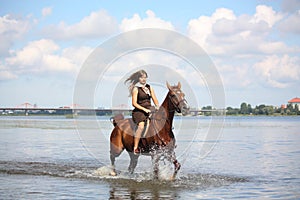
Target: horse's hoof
<point x="113" y="173"/>
<point x="177" y="166"/>
<point x="173" y="177"/>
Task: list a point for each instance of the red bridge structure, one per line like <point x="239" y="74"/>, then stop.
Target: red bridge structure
<point x="26" y="105"/>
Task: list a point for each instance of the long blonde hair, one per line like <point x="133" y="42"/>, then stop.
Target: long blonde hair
<point x="134" y="79"/>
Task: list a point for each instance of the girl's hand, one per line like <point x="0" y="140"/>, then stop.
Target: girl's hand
<point x="147" y="110"/>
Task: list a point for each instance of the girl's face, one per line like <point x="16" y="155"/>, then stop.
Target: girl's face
<point x="143" y="79"/>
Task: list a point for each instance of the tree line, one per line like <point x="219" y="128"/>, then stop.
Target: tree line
<point x="247" y="109"/>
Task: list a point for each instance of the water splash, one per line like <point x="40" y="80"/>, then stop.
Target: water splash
<point x="143" y="179"/>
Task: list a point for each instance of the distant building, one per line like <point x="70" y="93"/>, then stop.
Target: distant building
<point x="294" y="102"/>
<point x="283" y="106"/>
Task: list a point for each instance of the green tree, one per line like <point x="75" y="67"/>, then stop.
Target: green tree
<point x="207" y="108"/>
<point x="291" y="110"/>
<point x="232" y="111"/>
<point x="297" y="110"/>
<point x="269" y="110"/>
<point x="249" y="109"/>
<point x="244" y="108"/>
<point x="259" y="110"/>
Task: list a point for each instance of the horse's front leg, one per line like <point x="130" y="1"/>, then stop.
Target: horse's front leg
<point x="177" y="165"/>
<point x="155" y="162"/>
<point x="133" y="162"/>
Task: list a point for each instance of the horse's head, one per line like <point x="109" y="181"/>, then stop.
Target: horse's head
<point x="177" y="98"/>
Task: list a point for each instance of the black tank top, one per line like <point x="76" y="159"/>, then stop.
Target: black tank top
<point x="143" y="98"/>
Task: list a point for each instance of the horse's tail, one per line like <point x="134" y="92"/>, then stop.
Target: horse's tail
<point x="115" y="119"/>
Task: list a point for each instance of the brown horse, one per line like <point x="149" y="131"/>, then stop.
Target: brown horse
<point x="158" y="138"/>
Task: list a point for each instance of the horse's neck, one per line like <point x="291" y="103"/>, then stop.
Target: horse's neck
<point x="165" y="116"/>
<point x="167" y="109"/>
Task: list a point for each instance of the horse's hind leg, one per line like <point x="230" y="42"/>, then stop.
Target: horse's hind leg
<point x="112" y="160"/>
<point x="113" y="156"/>
<point x="116" y="148"/>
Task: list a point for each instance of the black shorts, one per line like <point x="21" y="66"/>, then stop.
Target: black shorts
<point x="139" y="116"/>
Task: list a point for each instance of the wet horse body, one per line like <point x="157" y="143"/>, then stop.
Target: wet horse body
<point x="158" y="138"/>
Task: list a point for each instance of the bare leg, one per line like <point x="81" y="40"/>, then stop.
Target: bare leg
<point x="147" y="124"/>
<point x="137" y="136"/>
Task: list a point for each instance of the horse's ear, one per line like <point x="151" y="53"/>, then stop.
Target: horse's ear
<point x="179" y="85"/>
<point x="168" y="86"/>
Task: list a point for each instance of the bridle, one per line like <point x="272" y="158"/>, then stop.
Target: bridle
<point x="176" y="105"/>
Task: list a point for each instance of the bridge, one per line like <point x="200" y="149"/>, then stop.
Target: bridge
<point x="84" y="111"/>
<point x="28" y="108"/>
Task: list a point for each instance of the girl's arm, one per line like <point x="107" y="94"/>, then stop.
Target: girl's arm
<point x="154" y="99"/>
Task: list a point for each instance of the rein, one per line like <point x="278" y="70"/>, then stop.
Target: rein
<point x="158" y="135"/>
<point x="169" y="110"/>
<point x="176" y="106"/>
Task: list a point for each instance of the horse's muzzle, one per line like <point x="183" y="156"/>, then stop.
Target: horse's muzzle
<point x="185" y="109"/>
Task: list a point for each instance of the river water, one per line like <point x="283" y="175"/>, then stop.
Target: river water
<point x="58" y="158"/>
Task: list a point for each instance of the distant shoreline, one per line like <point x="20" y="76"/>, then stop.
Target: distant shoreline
<point x="70" y="116"/>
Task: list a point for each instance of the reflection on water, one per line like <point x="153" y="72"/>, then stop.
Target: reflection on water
<point x="256" y="157"/>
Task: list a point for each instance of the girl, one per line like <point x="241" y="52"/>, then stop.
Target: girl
<point x="141" y="94"/>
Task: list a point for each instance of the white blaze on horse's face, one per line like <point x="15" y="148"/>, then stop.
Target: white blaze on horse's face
<point x="177" y="98"/>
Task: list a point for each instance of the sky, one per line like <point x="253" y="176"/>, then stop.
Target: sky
<point x="253" y="44"/>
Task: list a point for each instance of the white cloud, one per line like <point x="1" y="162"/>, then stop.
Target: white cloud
<point x="224" y="33"/>
<point x="200" y="29"/>
<point x="5" y="74"/>
<point x="46" y="11"/>
<point x="77" y="54"/>
<point x="278" y="72"/>
<point x="11" y="29"/>
<point x="32" y="54"/>
<point x="43" y="57"/>
<point x="235" y="76"/>
<point x="97" y="24"/>
<point x="291" y="24"/>
<point x="151" y="21"/>
<point x="271" y="47"/>
<point x="238" y="42"/>
<point x="266" y="14"/>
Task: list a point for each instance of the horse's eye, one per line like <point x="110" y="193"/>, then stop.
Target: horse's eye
<point x="173" y="95"/>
